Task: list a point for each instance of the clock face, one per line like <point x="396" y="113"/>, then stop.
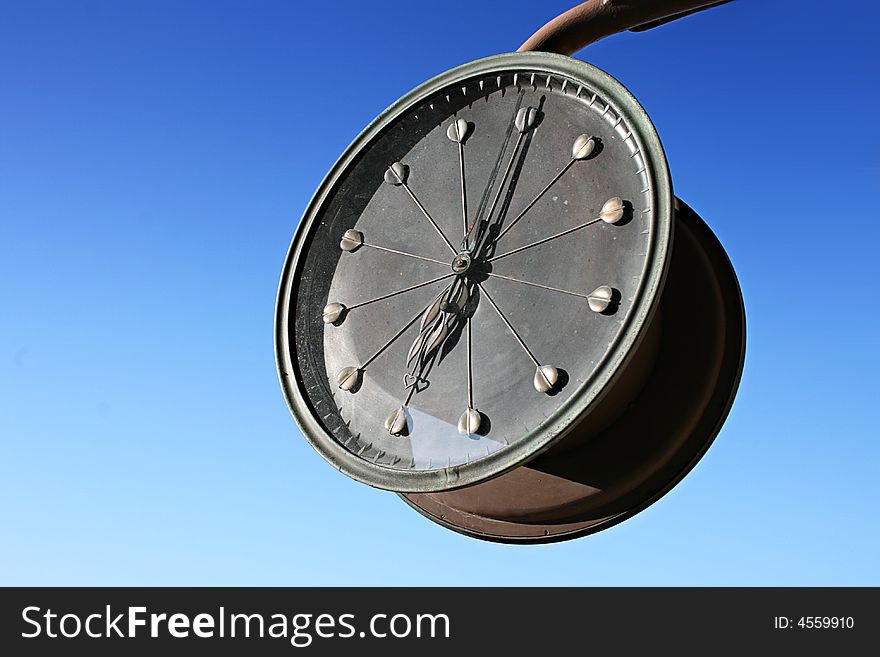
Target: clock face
<point x="473" y="272"/>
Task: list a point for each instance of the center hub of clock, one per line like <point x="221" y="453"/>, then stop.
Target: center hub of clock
<point x="461" y="263"/>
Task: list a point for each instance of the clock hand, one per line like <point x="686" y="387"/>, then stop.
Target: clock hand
<point x="435" y="325"/>
<point x="437" y="320"/>
<point x="349" y="378"/>
<point x="582" y="148"/>
<point x="524" y="120"/>
<point x="431" y="331"/>
<point x="428" y="340"/>
<point x="396" y="175"/>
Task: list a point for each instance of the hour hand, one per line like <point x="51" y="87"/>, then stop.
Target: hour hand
<point x="523" y="121"/>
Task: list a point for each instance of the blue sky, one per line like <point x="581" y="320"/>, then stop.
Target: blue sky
<point x="155" y="158"/>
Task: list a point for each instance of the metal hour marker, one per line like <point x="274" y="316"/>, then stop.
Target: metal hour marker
<point x="457" y="131"/>
<point x="469" y="422"/>
<point x="545" y="378"/>
<point x="332" y="312"/>
<point x="612" y="210"/>
<point x="600" y="298"/>
<point x="348" y="378"/>
<point x="525" y="119"/>
<point x="351" y="240"/>
<point x="583" y="147"/>
<point x="396" y="423"/>
<point x="396" y="175"/>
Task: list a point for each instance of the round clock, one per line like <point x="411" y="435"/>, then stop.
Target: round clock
<point x="482" y="308"/>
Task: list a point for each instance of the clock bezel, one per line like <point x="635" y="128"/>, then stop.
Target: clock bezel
<point x="580" y="403"/>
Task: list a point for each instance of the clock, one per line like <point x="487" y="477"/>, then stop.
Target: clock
<point x="495" y="306"/>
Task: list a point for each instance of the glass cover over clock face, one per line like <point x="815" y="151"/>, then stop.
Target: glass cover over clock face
<point x="473" y="272"/>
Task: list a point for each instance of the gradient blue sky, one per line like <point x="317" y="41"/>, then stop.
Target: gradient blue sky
<point x="155" y="157"/>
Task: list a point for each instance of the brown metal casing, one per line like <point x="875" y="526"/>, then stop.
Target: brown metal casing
<point x="594" y="479"/>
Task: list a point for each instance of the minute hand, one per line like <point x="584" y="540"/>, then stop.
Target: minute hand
<point x="523" y="120"/>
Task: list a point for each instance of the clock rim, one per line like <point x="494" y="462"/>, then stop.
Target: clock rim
<point x="578" y="404"/>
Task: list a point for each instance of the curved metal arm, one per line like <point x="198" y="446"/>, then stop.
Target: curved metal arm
<point x="595" y="19"/>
